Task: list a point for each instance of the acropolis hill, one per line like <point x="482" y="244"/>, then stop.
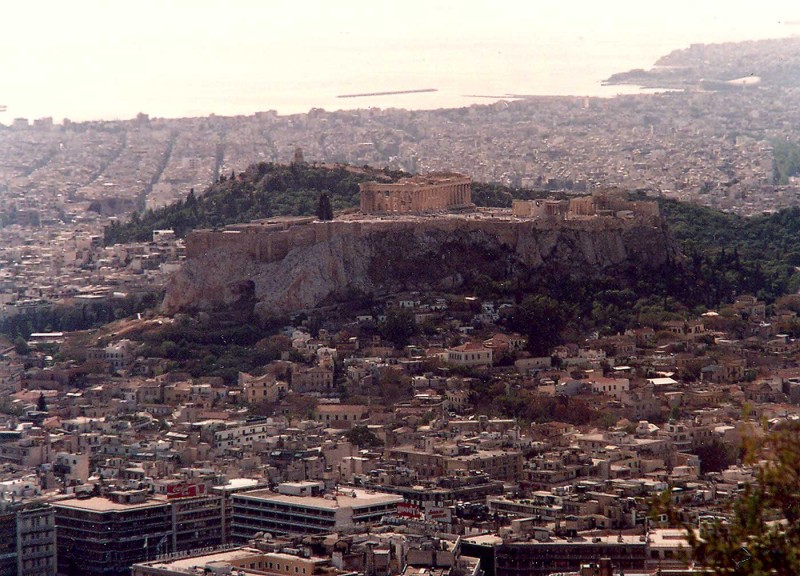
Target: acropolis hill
<point x="292" y="264"/>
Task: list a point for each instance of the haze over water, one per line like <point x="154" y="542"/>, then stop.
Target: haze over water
<point x="110" y="60"/>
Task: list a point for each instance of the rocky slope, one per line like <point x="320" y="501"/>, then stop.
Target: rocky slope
<point x="302" y="265"/>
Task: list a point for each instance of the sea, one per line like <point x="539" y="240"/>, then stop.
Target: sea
<point x="179" y="59"/>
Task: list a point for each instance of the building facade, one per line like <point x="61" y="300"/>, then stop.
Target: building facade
<point x="282" y="513"/>
<point x="104" y="537"/>
<point x="197" y="522"/>
<point x="313" y="379"/>
<point x="542" y="558"/>
<point x="243" y="434"/>
<point x="470" y="354"/>
<point x="27" y="540"/>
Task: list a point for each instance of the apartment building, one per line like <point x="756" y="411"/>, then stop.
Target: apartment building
<point x="103" y="536"/>
<point x="289" y="512"/>
<point x="27" y="540"/>
<point x="100" y="535"/>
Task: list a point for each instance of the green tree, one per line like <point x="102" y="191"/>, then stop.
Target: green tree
<point x="398" y="326"/>
<point x="362" y="437"/>
<point x="541" y="318"/>
<point x="41" y="404"/>
<point x="715" y="456"/>
<point x="324" y="208"/>
<point x="763" y="534"/>
<point x="21" y="346"/>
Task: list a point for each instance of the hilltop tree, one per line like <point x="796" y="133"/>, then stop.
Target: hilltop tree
<point x="324" y="208"/>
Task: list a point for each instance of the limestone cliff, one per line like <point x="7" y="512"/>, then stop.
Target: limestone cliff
<point x="291" y="265"/>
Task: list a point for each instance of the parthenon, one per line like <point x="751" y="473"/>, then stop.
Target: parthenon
<point x="433" y="192"/>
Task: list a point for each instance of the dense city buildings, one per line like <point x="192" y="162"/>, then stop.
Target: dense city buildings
<point x="503" y="495"/>
<point x="448" y="421"/>
<point x="60" y="184"/>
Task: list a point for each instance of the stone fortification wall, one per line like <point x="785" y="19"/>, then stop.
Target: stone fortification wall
<point x="265" y="244"/>
<point x="273" y="243"/>
<point x="295" y="265"/>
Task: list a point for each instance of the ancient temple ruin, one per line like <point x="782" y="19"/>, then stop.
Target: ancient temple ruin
<point x="609" y="202"/>
<point x="430" y="193"/>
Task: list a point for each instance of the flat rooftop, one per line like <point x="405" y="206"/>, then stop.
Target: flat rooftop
<point x="668" y="538"/>
<point x="100" y="504"/>
<point x="188" y="562"/>
<point x="588" y="540"/>
<point x="346" y="498"/>
<point x="239" y="484"/>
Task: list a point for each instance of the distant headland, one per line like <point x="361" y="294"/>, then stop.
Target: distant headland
<point x="725" y="66"/>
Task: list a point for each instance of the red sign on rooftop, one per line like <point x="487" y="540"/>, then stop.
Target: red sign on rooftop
<point x="184" y="490"/>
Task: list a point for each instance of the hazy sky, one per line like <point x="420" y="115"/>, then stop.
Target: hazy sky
<point x="91" y="58"/>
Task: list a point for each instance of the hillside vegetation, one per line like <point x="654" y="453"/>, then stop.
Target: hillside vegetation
<point x="786" y="163"/>
<point x="266" y="189"/>
<point x="262" y="191"/>
<point x="728" y="255"/>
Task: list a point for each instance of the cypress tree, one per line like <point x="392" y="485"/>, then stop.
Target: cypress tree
<point x="324" y="208"/>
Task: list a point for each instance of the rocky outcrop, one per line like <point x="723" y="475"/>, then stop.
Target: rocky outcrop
<point x="290" y="265"/>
